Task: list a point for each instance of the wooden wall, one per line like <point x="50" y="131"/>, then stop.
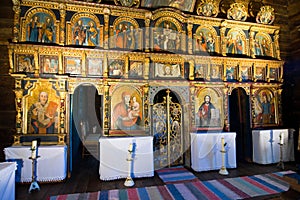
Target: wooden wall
<point x="287" y="17"/>
<point x="7" y="105"/>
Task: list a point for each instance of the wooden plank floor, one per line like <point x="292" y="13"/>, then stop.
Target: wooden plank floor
<point x="85" y="178"/>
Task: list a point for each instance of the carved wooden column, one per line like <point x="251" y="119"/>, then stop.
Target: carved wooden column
<point x="192" y="105"/>
<point x="226" y="107"/>
<point x="146" y="108"/>
<point x="18" y="100"/>
<point x="192" y="69"/>
<point x="106" y="103"/>
<point x="16" y="28"/>
<point x="190" y="37"/>
<point x="276" y="44"/>
<point x="147" y="67"/>
<point x="148" y="16"/>
<point x="251" y="44"/>
<point x="62" y="11"/>
<point x="106" y="27"/>
<point x="223" y="38"/>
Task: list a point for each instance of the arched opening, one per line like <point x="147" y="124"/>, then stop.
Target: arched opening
<point x="240" y="123"/>
<point x="167" y="129"/>
<point x="85" y="122"/>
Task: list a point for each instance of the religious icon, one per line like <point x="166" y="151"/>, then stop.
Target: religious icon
<point x="25" y="62"/>
<point x="184" y="5"/>
<point x="245" y="73"/>
<point x="128" y="3"/>
<point x="200" y="70"/>
<point x="237" y="11"/>
<point x="273" y="73"/>
<point x="166" y="37"/>
<point x="215" y="72"/>
<point x="230" y="73"/>
<point x="208" y="8"/>
<point x="259" y="73"/>
<point x="208" y="112"/>
<point x="85" y="32"/>
<point x="116" y="68"/>
<point x="262" y="45"/>
<point x="204" y="40"/>
<point x="126" y="35"/>
<point x="167" y="70"/>
<point x="234" y="43"/>
<point x="49" y="64"/>
<point x="94" y="67"/>
<point x="126" y="109"/>
<point x="73" y="65"/>
<point x="265" y="15"/>
<point x="264" y="107"/>
<point x="136" y="69"/>
<point x="41" y="28"/>
<point x="43" y="109"/>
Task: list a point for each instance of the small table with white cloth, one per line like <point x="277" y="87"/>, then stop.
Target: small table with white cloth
<point x="7" y="180"/>
<point x="114" y="152"/>
<point x="206" y="147"/>
<point x="51" y="163"/>
<point x="266" y="145"/>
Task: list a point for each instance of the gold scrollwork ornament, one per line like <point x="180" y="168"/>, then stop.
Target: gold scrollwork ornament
<point x="208" y="8"/>
<point x="237" y="11"/>
<point x="128" y="3"/>
<point x="265" y="15"/>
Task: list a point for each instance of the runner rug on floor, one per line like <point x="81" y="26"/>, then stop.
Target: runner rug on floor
<point x="222" y="189"/>
<point x="176" y="174"/>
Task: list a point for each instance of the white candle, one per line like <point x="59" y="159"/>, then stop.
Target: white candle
<point x="130" y="147"/>
<point x="222" y="143"/>
<point x="33" y="148"/>
<point x="281" y="138"/>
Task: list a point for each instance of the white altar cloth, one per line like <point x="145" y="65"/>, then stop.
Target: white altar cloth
<point x="205" y="151"/>
<point x="7" y="180"/>
<point x="51" y="165"/>
<point x="266" y="148"/>
<point x="114" y="152"/>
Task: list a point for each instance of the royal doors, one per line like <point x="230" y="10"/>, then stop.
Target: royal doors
<point x="167" y="130"/>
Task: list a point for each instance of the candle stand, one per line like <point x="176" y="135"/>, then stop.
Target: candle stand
<point x="223" y="170"/>
<point x="280" y="164"/>
<point x="129" y="182"/>
<point x="34" y="185"/>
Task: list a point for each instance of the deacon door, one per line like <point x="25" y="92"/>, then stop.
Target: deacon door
<point x="167" y="131"/>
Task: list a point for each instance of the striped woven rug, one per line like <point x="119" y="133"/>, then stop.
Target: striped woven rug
<point x="222" y="189"/>
<point x="176" y="174"/>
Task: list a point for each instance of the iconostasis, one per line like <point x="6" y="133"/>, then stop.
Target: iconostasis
<point x="130" y="52"/>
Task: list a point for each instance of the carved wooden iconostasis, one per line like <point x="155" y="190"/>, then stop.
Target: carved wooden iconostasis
<point x="131" y="53"/>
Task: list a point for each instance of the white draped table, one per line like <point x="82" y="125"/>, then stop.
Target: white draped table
<point x="114" y="152"/>
<point x="51" y="165"/>
<point x="205" y="151"/>
<point x="266" y="148"/>
<point x="7" y="180"/>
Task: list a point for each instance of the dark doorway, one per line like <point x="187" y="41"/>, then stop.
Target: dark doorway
<point x="86" y="118"/>
<point x="240" y="123"/>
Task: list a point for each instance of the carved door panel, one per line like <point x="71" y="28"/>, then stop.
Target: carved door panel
<point x="167" y="131"/>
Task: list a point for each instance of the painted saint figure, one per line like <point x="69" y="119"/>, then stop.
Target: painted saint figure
<point x="92" y="35"/>
<point x="265" y="109"/>
<point x="79" y="33"/>
<point x="47" y="31"/>
<point x="34" y="30"/>
<point x="42" y="116"/>
<point x="210" y="42"/>
<point x="204" y="111"/>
